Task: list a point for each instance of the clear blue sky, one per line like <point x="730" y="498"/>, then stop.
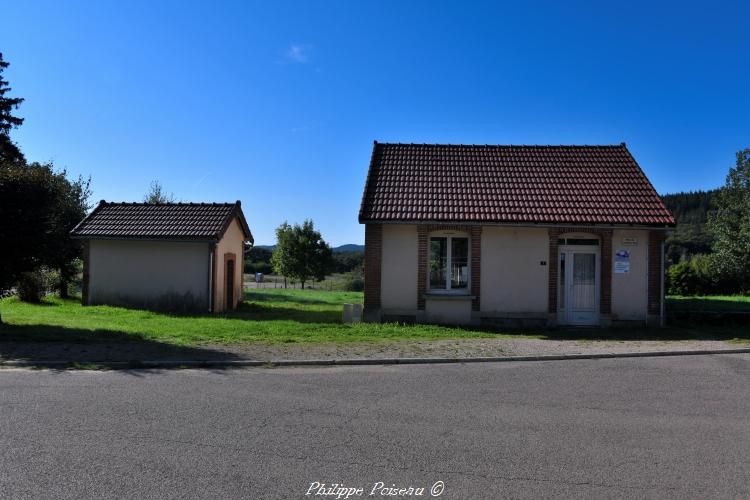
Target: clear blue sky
<point x="277" y="103"/>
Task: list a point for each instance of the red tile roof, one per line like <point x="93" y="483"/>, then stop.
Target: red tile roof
<point x="509" y="184"/>
<point x="181" y="221"/>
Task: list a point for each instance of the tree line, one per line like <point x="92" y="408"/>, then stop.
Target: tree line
<point x="258" y="260"/>
<point x="709" y="251"/>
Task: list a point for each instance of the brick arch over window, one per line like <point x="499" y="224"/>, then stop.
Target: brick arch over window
<point x="475" y="247"/>
<point x="605" y="249"/>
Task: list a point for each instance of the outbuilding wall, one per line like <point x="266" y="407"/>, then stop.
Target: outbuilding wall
<point x="231" y="244"/>
<point x="149" y="274"/>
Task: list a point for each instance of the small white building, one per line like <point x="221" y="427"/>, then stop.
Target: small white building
<point x="167" y="256"/>
<point x="512" y="235"/>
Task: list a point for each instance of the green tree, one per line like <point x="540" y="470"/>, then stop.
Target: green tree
<point x="69" y="207"/>
<point x="156" y="194"/>
<point x="38" y="208"/>
<point x="730" y="225"/>
<point x="9" y="152"/>
<point x="301" y="253"/>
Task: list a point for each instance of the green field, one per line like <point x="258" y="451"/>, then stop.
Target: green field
<point x="284" y="316"/>
<point x="267" y="315"/>
<point x="717" y="303"/>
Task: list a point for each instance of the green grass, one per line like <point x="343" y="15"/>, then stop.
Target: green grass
<point x="287" y="316"/>
<point x="267" y="315"/>
<point x="716" y="303"/>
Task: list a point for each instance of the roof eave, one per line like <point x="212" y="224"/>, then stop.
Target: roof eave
<point x="516" y="223"/>
<point x="184" y="239"/>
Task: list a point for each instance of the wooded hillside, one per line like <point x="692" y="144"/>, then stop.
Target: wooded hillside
<point x="691" y="237"/>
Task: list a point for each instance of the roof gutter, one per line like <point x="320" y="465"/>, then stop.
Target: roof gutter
<point x="522" y="224"/>
<point x="144" y="238"/>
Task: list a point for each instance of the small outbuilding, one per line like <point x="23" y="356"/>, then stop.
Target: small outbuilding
<point x="512" y="235"/>
<point x="167" y="256"/>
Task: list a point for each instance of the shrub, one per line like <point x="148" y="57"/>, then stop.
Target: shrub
<point x="354" y="284"/>
<point x="32" y="286"/>
<point x="352" y="281"/>
<point x="695" y="276"/>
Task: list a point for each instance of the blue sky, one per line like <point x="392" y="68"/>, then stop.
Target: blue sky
<point x="277" y="103"/>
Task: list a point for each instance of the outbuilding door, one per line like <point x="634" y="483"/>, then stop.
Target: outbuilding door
<point x="229" y="280"/>
<point x="579" y="285"/>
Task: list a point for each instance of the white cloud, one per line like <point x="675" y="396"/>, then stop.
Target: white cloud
<point x="297" y="53"/>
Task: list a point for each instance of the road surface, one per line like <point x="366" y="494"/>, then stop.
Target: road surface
<point x="676" y="427"/>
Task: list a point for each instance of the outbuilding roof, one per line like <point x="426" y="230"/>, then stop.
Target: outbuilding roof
<point x="170" y="221"/>
<point x="577" y="185"/>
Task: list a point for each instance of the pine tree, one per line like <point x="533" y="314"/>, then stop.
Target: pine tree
<point x="8" y="150"/>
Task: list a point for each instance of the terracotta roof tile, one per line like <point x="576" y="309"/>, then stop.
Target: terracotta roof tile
<point x="160" y="221"/>
<point x="519" y="184"/>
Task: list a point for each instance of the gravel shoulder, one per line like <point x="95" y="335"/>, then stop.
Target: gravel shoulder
<point x="144" y="351"/>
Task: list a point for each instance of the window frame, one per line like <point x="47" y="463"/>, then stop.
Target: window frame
<point x="448" y="290"/>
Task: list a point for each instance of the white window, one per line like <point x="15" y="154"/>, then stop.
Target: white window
<point x="449" y="263"/>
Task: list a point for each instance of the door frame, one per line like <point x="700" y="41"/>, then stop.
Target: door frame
<point x="564" y="313"/>
<point x="229" y="257"/>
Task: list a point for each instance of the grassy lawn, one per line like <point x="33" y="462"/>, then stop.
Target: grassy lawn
<point x="267" y="315"/>
<point x="284" y="316"/>
<point x="718" y="303"/>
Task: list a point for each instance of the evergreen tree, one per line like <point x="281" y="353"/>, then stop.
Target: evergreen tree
<point x="9" y="152"/>
<point x="691" y="236"/>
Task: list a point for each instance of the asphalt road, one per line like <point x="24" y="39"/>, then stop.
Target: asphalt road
<point x="652" y="427"/>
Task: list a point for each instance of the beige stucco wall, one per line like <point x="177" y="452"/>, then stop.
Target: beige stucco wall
<point x="398" y="278"/>
<point x="158" y="274"/>
<point x="231" y="242"/>
<point x="513" y="279"/>
<point x="448" y="311"/>
<point x="630" y="291"/>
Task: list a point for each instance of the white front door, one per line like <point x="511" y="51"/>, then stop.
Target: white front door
<point x="580" y="286"/>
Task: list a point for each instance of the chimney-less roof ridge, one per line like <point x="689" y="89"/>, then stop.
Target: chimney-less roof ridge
<point x="536" y="146"/>
<point x="513" y="183"/>
<point x="168" y="204"/>
<point x="178" y="220"/>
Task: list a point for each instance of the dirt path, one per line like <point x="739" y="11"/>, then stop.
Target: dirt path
<point x="140" y="351"/>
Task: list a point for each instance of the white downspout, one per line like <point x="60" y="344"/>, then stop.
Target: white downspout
<point x="662" y="319"/>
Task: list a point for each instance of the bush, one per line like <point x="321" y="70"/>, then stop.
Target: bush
<point x="75" y="283"/>
<point x="34" y="285"/>
<point x="696" y="276"/>
<point x="352" y="282"/>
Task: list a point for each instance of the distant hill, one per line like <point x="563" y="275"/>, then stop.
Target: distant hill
<point x="690" y="210"/>
<point x="351" y="247"/>
<point x="691" y="207"/>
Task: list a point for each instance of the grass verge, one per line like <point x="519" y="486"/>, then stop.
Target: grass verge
<point x="714" y="303"/>
<point x="272" y="316"/>
<point x="282" y="316"/>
